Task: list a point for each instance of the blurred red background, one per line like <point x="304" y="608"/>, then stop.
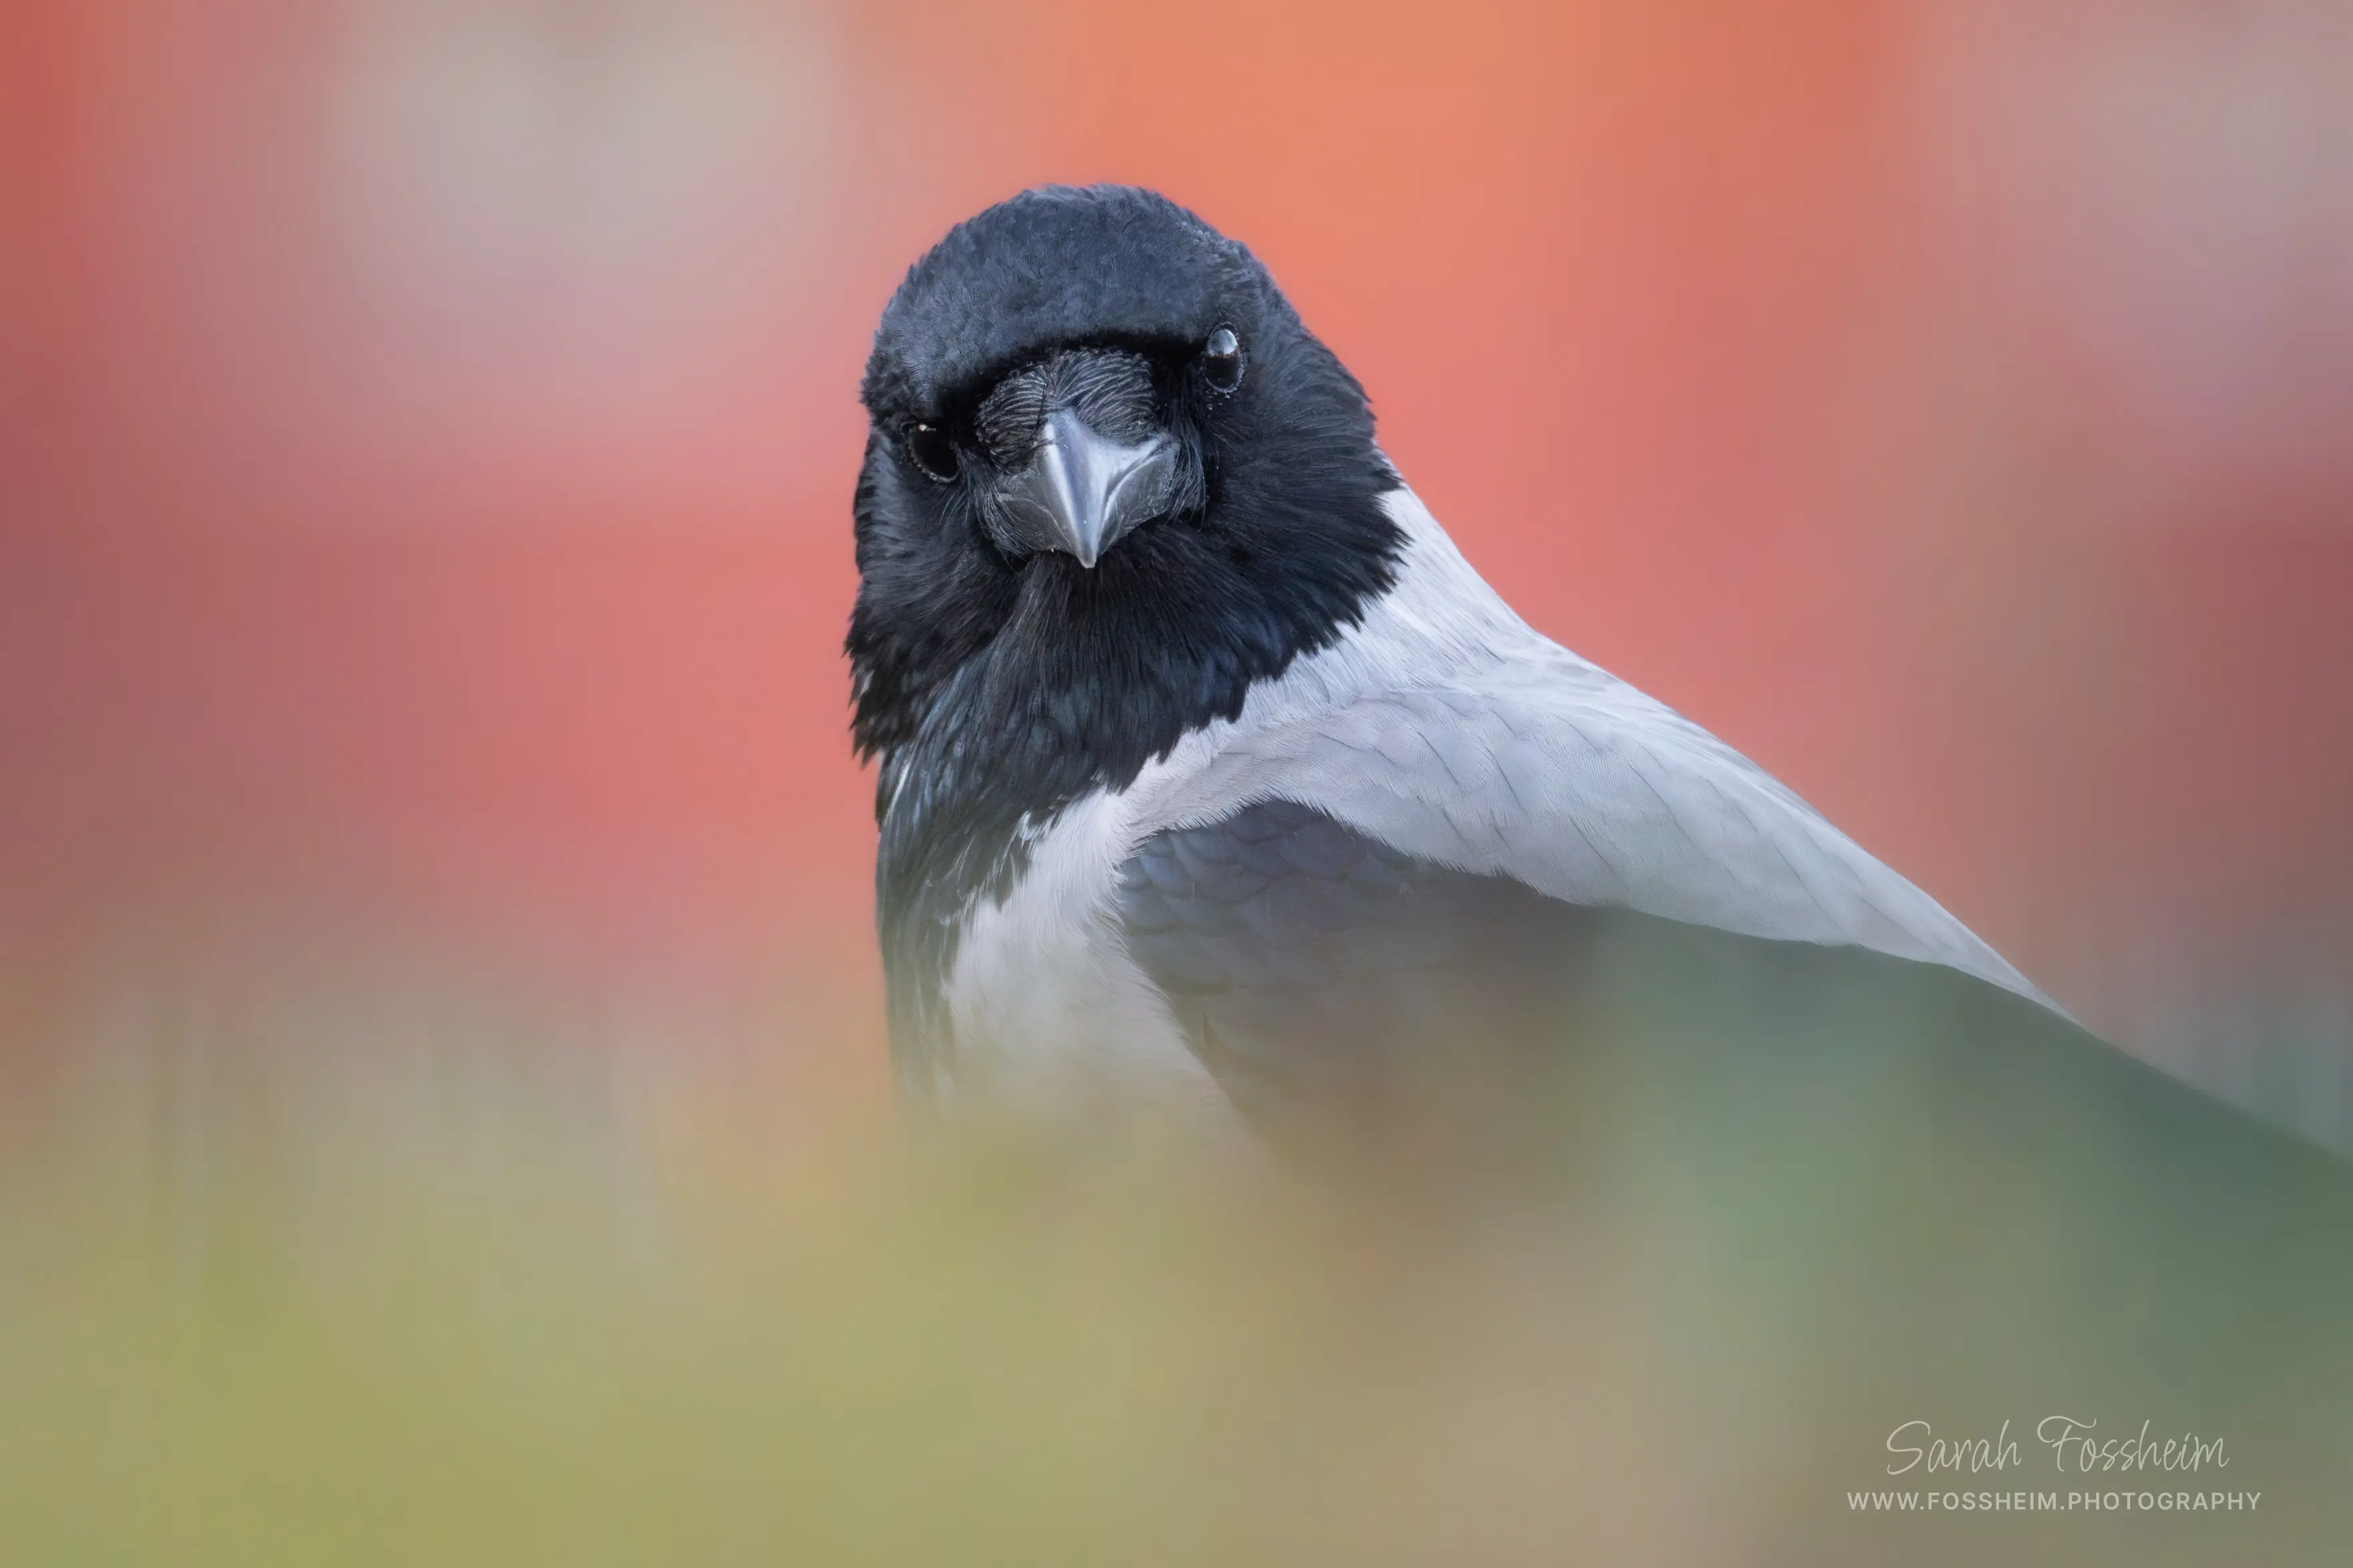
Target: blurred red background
<point x="426" y="432"/>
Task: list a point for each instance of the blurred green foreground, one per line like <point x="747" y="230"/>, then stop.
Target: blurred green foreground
<point x="297" y="1301"/>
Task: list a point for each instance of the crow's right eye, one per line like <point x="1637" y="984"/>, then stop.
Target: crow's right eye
<point x="1221" y="360"/>
<point x="931" y="450"/>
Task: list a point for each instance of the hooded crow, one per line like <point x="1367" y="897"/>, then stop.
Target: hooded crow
<point x="1210" y="769"/>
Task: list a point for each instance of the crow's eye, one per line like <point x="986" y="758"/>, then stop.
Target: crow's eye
<point x="1221" y="360"/>
<point x="929" y="446"/>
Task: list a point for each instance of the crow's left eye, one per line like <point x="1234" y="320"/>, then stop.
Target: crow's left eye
<point x="1221" y="360"/>
<point x="931" y="450"/>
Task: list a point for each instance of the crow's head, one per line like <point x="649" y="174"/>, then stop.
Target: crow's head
<point x="1111" y="481"/>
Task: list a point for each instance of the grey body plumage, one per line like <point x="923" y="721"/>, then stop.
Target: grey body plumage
<point x="1212" y="773"/>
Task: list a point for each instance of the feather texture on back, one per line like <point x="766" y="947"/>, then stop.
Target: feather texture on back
<point x="1445" y="727"/>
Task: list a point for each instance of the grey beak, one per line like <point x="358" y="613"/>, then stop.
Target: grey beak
<point x="1083" y="491"/>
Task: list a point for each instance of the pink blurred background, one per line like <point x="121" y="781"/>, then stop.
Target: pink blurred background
<point x="427" y="433"/>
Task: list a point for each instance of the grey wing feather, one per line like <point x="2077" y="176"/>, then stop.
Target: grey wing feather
<point x="1447" y="729"/>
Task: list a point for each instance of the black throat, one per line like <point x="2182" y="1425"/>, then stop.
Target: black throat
<point x="1088" y="676"/>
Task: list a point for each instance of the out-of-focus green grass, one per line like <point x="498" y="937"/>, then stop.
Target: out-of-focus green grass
<point x="1021" y="1352"/>
<point x="272" y="1296"/>
<point x="311" y="1303"/>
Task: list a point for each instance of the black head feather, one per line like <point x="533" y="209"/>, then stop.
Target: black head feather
<point x="997" y="684"/>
